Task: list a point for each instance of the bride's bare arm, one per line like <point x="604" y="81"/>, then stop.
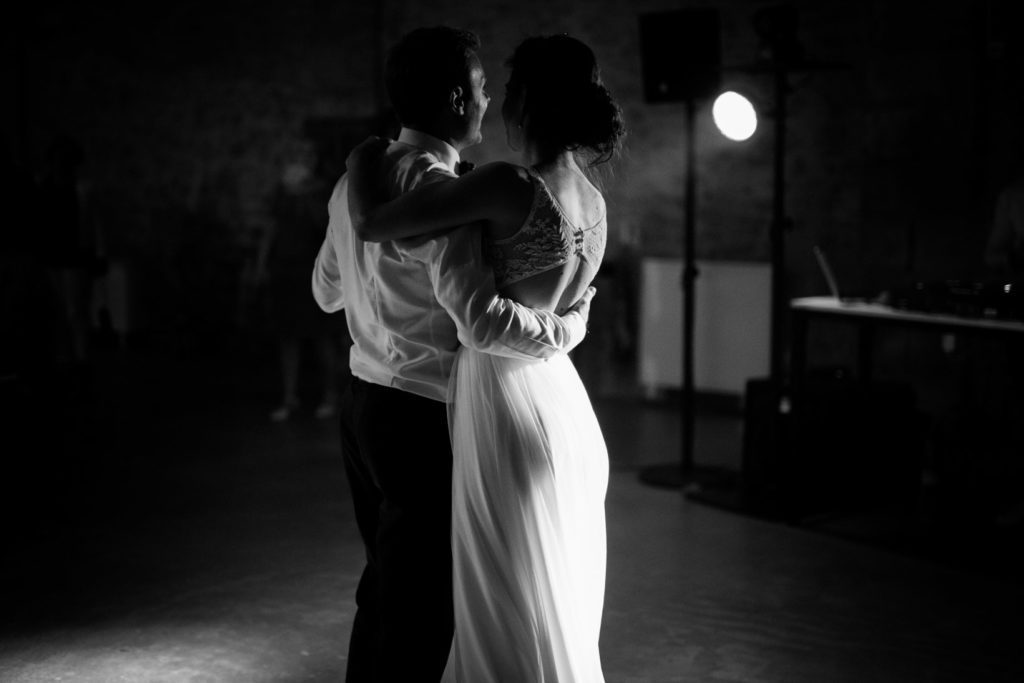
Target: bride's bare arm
<point x="493" y="193"/>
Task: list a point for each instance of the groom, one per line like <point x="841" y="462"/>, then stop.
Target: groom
<point x="409" y="304"/>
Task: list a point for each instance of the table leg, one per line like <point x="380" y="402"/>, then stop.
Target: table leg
<point x="865" y="350"/>
<point x="799" y="322"/>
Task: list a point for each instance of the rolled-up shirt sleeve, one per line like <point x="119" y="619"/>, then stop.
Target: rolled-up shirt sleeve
<point x="464" y="285"/>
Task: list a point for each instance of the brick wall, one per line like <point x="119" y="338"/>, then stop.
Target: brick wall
<point x="188" y="113"/>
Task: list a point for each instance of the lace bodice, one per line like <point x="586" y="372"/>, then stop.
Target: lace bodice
<point x="547" y="240"/>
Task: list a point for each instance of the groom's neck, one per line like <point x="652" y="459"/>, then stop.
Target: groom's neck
<point x="441" y="131"/>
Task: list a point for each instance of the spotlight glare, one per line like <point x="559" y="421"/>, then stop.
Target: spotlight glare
<point x="734" y="115"/>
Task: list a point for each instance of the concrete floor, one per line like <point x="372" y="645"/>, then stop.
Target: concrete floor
<point x="161" y="530"/>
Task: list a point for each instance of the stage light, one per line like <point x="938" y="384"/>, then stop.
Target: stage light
<point x="734" y="115"/>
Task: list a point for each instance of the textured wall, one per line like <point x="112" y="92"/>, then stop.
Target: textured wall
<point x="187" y="114"/>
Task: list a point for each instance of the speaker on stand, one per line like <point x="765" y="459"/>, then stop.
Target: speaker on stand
<point x="681" y="55"/>
<point x="680" y="51"/>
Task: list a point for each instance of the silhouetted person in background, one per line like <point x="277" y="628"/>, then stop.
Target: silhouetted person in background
<point x="1005" y="249"/>
<point x="1004" y="253"/>
<point x="66" y="245"/>
<point x="289" y="247"/>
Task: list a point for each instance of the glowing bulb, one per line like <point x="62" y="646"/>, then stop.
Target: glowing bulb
<point x="734" y="115"/>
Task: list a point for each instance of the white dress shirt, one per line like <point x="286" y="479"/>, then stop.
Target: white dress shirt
<point x="409" y="303"/>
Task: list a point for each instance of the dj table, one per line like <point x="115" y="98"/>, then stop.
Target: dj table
<point x="870" y="427"/>
<point x="868" y="316"/>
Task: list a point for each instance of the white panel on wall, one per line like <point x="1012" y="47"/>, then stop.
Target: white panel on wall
<point x="731" y="328"/>
<point x="660" y="334"/>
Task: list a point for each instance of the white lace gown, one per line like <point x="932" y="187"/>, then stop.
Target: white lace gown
<point x="528" y="526"/>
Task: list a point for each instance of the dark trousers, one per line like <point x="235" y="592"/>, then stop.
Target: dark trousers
<point x="398" y="459"/>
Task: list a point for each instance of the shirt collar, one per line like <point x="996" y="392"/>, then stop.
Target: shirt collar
<point x="447" y="154"/>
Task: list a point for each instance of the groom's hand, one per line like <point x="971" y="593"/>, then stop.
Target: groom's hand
<point x="583" y="305"/>
<point x="577" y="324"/>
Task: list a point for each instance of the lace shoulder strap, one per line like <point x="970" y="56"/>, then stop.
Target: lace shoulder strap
<point x="544" y="241"/>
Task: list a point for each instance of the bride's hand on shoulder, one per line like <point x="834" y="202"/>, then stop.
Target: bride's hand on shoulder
<point x="366" y="152"/>
<point x="366" y="189"/>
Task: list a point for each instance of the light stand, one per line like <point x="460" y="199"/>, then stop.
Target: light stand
<point x="778" y="229"/>
<point x="681" y="58"/>
<point x="685" y="474"/>
<point x="776" y="27"/>
<point x="689" y="290"/>
<point x="739" y="493"/>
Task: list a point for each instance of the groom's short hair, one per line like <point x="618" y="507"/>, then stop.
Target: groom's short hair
<point x="424" y="66"/>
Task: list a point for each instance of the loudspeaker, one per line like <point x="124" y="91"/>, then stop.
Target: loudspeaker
<point x="764" y="442"/>
<point x="681" y="54"/>
<point x="855" y="445"/>
<point x="844" y="445"/>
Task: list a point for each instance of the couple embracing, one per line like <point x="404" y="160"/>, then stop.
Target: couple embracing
<point x="477" y="468"/>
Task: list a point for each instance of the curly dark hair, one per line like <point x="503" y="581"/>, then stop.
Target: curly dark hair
<point x="424" y="66"/>
<point x="566" y="104"/>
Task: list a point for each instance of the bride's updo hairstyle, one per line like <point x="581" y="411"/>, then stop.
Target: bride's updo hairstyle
<point x="565" y="103"/>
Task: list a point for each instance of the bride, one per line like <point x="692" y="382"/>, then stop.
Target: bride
<point x="530" y="465"/>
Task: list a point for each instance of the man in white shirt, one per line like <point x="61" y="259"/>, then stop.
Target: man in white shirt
<point x="409" y="304"/>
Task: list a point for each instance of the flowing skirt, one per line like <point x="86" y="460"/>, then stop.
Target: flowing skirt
<point x="528" y="526"/>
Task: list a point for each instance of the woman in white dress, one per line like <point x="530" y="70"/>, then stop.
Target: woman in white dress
<point x="530" y="465"/>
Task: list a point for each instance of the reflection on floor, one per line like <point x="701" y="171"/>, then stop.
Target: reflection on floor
<point x="161" y="529"/>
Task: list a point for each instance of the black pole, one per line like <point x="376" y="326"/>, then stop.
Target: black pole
<point x="778" y="230"/>
<point x="379" y="54"/>
<point x="682" y="472"/>
<point x="689" y="286"/>
<point x="685" y="474"/>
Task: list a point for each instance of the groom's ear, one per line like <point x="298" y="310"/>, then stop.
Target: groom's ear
<point x="457" y="100"/>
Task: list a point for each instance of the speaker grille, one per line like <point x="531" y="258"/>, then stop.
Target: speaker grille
<point x="681" y="53"/>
